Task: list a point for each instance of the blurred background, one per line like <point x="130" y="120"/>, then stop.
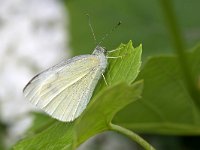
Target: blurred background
<point x="36" y="34"/>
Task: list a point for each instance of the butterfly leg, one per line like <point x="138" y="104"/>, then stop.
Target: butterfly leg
<point x="104" y="79"/>
<point x="114" y="57"/>
<point x="114" y="51"/>
<point x="111" y="51"/>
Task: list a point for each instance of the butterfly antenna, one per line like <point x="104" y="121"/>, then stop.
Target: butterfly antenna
<point x="91" y="28"/>
<point x="107" y="34"/>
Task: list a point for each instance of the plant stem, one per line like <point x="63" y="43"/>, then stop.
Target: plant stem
<point x="132" y="136"/>
<point x="179" y="45"/>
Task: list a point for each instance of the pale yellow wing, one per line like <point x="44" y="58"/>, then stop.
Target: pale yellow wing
<point x="64" y="90"/>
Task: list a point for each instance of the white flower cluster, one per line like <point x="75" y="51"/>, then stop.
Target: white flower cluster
<point x="32" y="38"/>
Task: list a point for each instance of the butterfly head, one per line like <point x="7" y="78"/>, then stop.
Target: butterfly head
<point x="100" y="50"/>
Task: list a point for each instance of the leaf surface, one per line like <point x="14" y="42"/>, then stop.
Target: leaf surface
<point x="105" y="103"/>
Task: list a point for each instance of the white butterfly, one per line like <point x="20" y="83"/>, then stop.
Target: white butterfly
<point x="64" y="90"/>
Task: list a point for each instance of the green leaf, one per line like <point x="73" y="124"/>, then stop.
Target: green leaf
<point x="106" y="102"/>
<point x="166" y="106"/>
<point x="123" y="69"/>
<point x="41" y="121"/>
<point x="105" y="107"/>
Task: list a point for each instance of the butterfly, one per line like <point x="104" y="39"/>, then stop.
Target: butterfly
<point x="64" y="90"/>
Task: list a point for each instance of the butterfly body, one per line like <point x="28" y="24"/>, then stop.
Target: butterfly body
<point x="64" y="90"/>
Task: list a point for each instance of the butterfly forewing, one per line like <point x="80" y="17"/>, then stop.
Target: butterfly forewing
<point x="64" y="90"/>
